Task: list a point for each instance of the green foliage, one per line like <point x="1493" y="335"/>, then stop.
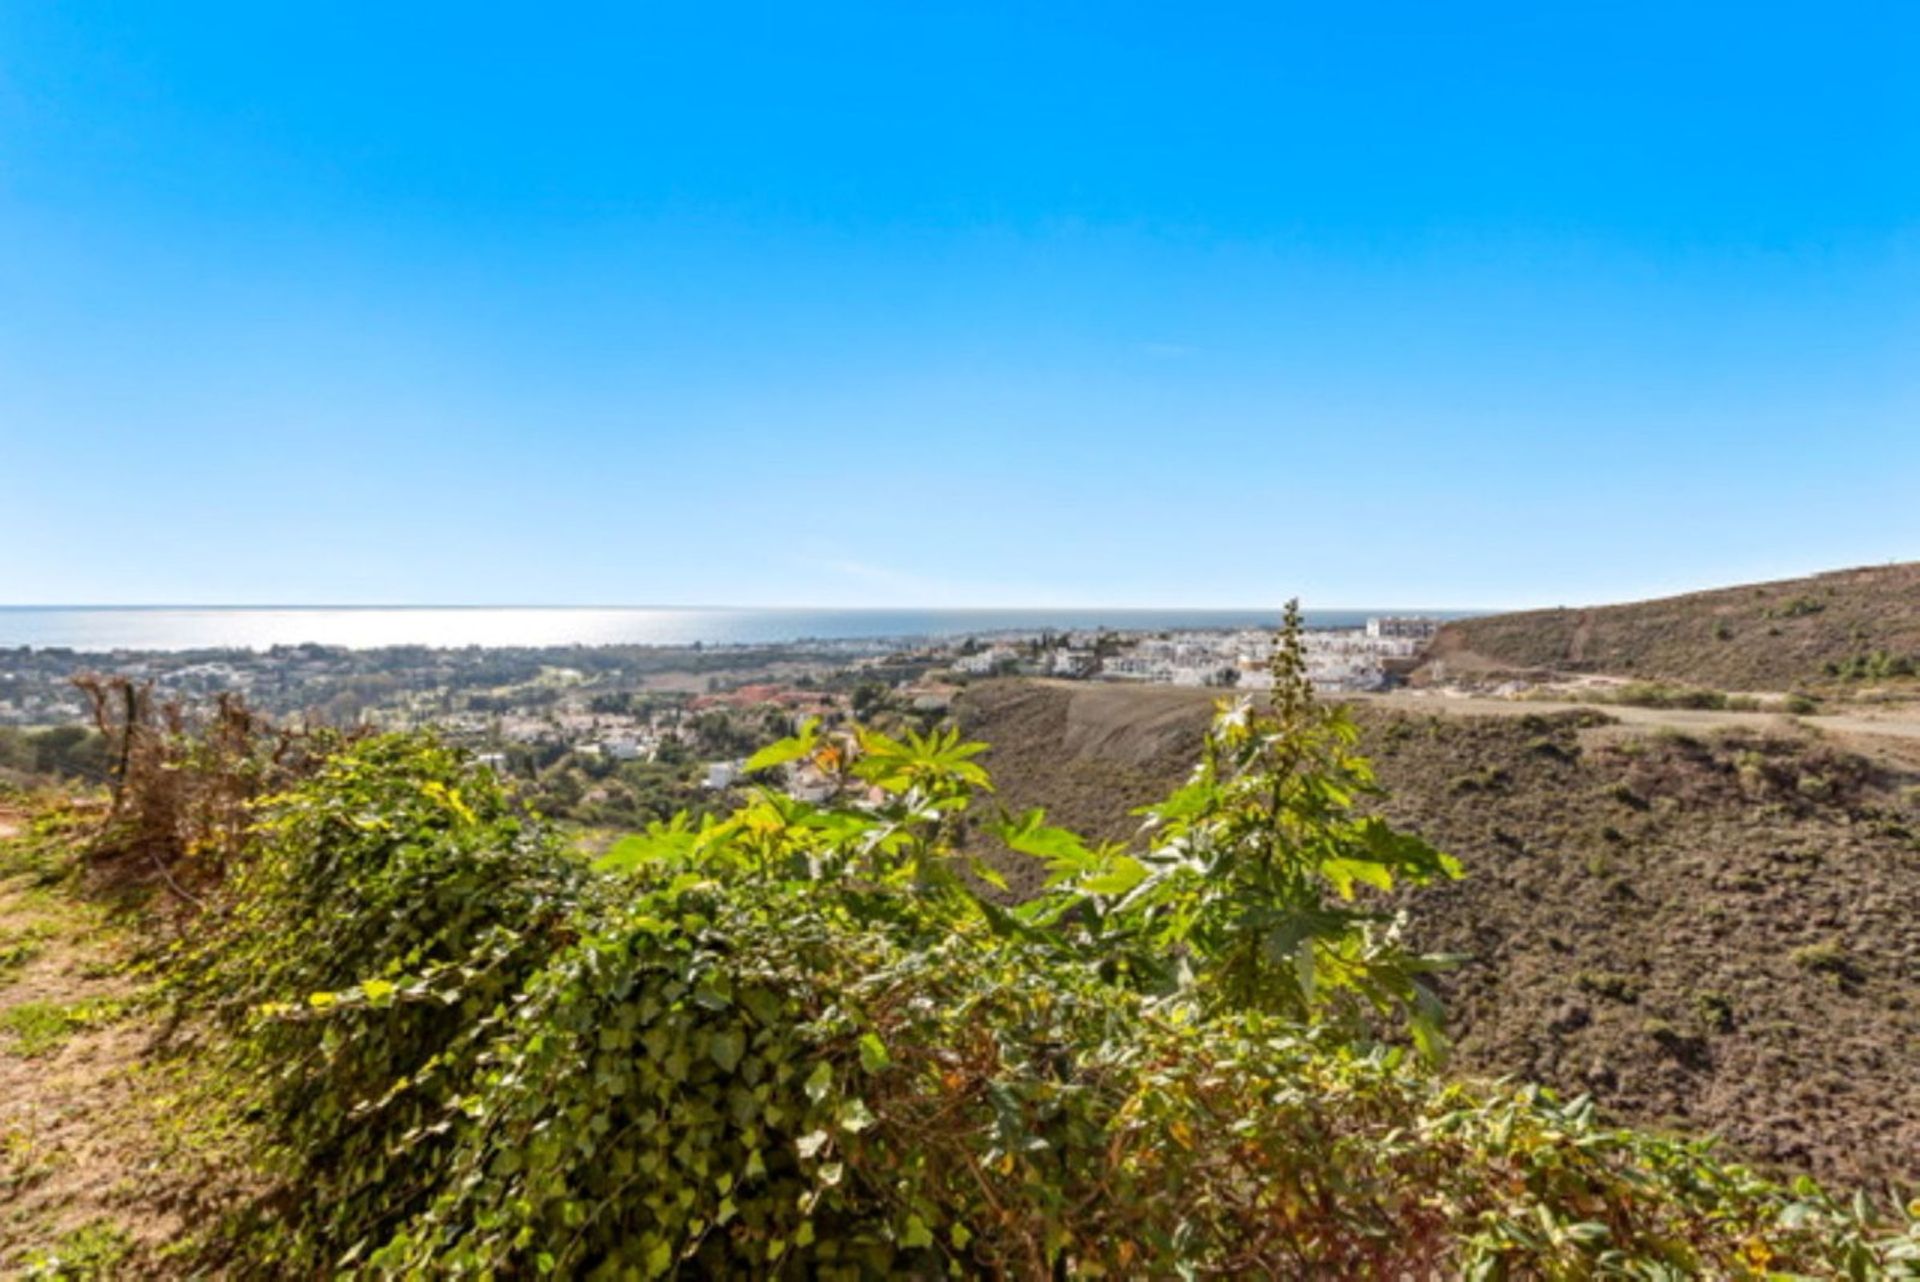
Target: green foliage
<point x="1653" y="694"/>
<point x="66" y="752"/>
<point x="794" y="1041"/>
<point x="1246" y="899"/>
<point x="95" y="1251"/>
<point x="1831" y="958"/>
<point x="17" y="948"/>
<point x="733" y="1085"/>
<point x="39" y="1028"/>
<point x="48" y="850"/>
<point x="1875" y="665"/>
<point x="393" y="904"/>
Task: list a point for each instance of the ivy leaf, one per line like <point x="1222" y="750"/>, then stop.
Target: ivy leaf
<point x="726" y="1048"/>
<point x="854" y="1116"/>
<point x="873" y="1053"/>
<point x="819" y="1081"/>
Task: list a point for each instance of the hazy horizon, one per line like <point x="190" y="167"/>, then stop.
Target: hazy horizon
<point x="103" y="629"/>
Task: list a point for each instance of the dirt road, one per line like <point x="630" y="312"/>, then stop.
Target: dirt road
<point x="1891" y="731"/>
<point x="1102" y="709"/>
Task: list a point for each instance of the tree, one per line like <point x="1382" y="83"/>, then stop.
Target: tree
<point x="869" y="697"/>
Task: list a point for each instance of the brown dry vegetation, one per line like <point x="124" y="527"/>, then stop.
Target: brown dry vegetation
<point x="1768" y="636"/>
<point x="1709" y="934"/>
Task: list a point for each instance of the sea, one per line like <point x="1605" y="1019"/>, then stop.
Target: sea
<point x="102" y="629"/>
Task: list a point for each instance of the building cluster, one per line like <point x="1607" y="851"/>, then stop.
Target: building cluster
<point x="1363" y="658"/>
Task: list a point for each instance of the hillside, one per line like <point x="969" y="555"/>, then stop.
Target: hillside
<point x="363" y="1014"/>
<point x="1768" y="636"/>
<point x="1708" y="934"/>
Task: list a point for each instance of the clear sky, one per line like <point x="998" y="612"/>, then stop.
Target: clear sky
<point x="952" y="304"/>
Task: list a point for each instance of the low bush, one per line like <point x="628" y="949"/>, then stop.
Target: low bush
<point x="1875" y="665"/>
<point x="1652" y="694"/>
<point x="399" y="871"/>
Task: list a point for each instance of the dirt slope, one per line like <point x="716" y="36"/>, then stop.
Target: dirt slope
<point x="1767" y="636"/>
<point x="1712" y="934"/>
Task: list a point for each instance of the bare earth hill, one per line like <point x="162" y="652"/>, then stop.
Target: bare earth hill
<point x="1711" y="934"/>
<point x="1766" y="636"/>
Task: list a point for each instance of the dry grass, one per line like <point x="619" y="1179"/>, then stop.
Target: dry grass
<point x="1769" y="636"/>
<point x="183" y="781"/>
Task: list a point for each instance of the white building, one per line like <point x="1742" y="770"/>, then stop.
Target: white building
<point x="1403" y="627"/>
<point x="982" y="662"/>
<point x="1073" y="663"/>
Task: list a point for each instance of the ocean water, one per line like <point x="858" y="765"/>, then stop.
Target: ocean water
<point x="107" y="628"/>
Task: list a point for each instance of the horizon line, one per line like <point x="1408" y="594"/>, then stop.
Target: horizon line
<point x="844" y="609"/>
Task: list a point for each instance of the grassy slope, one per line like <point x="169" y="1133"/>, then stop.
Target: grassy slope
<point x="1769" y="636"/>
<point x="104" y="1169"/>
<point x="1714" y="935"/>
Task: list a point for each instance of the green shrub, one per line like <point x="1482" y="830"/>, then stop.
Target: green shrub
<point x="1715" y="1011"/>
<point x="404" y="875"/>
<point x="1653" y="694"/>
<point x="1829" y="957"/>
<point x="1876" y="665"/>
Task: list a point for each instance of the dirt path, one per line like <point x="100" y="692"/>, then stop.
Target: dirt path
<point x="1133" y="701"/>
<point x="1887" y="732"/>
<point x="1100" y="708"/>
<point x="97" y="1166"/>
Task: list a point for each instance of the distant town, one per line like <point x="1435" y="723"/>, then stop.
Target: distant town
<point x="616" y="734"/>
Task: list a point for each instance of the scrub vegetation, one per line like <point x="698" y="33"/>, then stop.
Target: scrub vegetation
<point x="822" y="1039"/>
<point x="1836" y="631"/>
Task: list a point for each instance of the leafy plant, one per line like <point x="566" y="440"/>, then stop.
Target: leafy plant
<point x="1248" y="896"/>
<point x="392" y="904"/>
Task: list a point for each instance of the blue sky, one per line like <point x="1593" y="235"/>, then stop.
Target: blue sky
<point x="1381" y="304"/>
